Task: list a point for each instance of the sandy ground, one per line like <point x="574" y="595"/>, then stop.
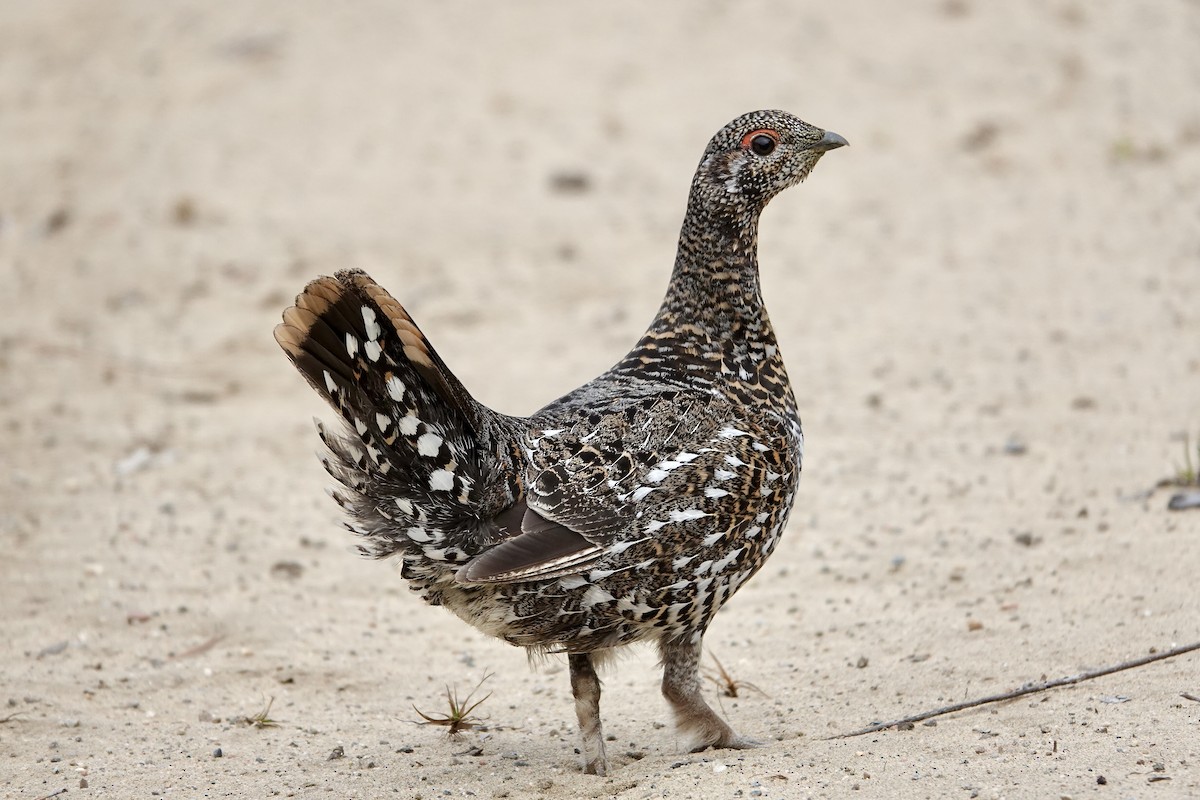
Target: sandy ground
<point x="987" y="303"/>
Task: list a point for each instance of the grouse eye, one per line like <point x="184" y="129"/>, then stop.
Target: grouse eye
<point x="762" y="145"/>
<point x="761" y="142"/>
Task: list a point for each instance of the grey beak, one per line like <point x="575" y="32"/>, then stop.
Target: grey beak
<point x="830" y="141"/>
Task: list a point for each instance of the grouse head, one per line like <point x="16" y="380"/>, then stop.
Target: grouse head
<point x="755" y="157"/>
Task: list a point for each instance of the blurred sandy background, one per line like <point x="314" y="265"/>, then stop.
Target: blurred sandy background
<point x="988" y="304"/>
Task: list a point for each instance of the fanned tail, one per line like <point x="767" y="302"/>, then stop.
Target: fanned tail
<point x="414" y="459"/>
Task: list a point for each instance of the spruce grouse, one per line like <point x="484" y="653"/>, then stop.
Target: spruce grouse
<point x="628" y="510"/>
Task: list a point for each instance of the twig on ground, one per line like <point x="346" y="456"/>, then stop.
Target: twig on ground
<point x="52" y="794"/>
<point x="201" y="648"/>
<point x="1029" y="688"/>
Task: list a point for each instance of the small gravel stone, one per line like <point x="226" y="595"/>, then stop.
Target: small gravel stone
<point x="1182" y="500"/>
<point x="53" y="650"/>
<point x="1015" y="447"/>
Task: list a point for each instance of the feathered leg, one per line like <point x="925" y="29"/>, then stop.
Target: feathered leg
<point x="585" y="685"/>
<point x="694" y="719"/>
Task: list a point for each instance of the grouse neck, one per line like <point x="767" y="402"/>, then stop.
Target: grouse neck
<point x="712" y="324"/>
<point x="714" y="291"/>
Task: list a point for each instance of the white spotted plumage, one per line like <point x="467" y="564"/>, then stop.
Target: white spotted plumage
<point x="630" y="509"/>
